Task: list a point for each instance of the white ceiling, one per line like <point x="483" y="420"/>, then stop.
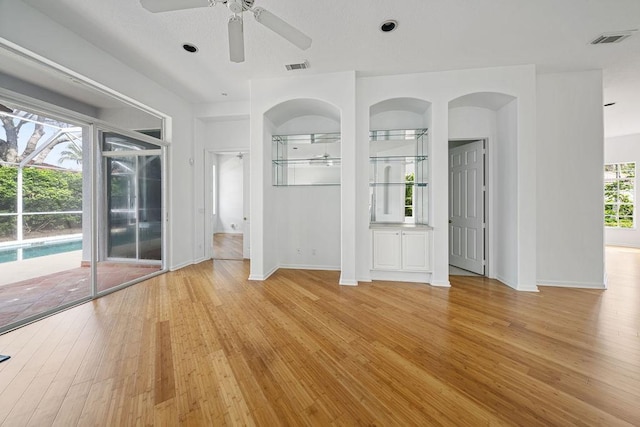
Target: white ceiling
<point x="432" y="35"/>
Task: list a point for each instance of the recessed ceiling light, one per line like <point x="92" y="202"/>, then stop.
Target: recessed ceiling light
<point x="191" y="48"/>
<point x="388" y="25"/>
<point x="609" y="104"/>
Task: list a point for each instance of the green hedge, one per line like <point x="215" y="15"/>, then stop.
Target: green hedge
<point x="44" y="190"/>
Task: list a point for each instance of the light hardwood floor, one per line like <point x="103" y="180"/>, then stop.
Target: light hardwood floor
<point x="204" y="346"/>
<point x="227" y="246"/>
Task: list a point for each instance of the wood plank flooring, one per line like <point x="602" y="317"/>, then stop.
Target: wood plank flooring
<point x="204" y="346"/>
<point x="227" y="246"/>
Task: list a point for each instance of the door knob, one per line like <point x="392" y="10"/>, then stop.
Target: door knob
<point x="450" y="221"/>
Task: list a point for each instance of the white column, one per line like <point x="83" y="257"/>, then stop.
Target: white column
<point x="439" y="188"/>
<point x="19" y="210"/>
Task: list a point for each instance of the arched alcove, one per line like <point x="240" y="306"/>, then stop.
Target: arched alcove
<point x="483" y="226"/>
<point x="398" y="199"/>
<point x="302" y="183"/>
<point x="400" y="113"/>
<point x="294" y="109"/>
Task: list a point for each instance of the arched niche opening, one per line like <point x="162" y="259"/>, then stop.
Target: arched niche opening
<point x="483" y="230"/>
<point x="302" y="146"/>
<point x="398" y="161"/>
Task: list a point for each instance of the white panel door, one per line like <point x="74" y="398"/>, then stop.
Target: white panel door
<point x="466" y="207"/>
<point x="415" y="251"/>
<point x="387" y="250"/>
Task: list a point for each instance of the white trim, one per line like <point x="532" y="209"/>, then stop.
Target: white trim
<point x="572" y="284"/>
<point x="401" y="276"/>
<point x="180" y="266"/>
<point x="310" y="267"/>
<point x="521" y="288"/>
<point x="262" y="277"/>
<point x="344" y="282"/>
<point x="73" y="117"/>
<point x="41" y="60"/>
<point x="440" y="284"/>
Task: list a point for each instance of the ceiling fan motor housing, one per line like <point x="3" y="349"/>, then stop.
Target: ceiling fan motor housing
<point x="239" y="6"/>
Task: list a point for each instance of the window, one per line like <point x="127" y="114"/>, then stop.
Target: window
<point x="619" y="194"/>
<point x="408" y="194"/>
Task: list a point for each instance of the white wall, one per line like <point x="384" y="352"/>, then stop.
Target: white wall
<point x="19" y="86"/>
<point x="216" y="132"/>
<point x="467" y="123"/>
<point x="51" y="40"/>
<point x="624" y="149"/>
<point x="570" y="179"/>
<point x="308" y="217"/>
<point x="223" y="135"/>
<point x="129" y="118"/>
<point x="309" y="227"/>
<point x="438" y="89"/>
<point x="506" y="223"/>
<point x="230" y="190"/>
<point x="336" y="90"/>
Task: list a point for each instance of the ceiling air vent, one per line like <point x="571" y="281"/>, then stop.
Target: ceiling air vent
<point x="301" y="66"/>
<point x="607" y="38"/>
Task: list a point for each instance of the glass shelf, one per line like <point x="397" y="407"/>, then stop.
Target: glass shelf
<point x="399" y="176"/>
<point x="306" y="159"/>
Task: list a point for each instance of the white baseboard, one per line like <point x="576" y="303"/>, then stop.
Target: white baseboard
<point x="261" y="277"/>
<point x="310" y="267"/>
<point x="401" y="276"/>
<point x="521" y="288"/>
<point x="181" y="265"/>
<point x="345" y="282"/>
<point x="440" y="283"/>
<point x="571" y="284"/>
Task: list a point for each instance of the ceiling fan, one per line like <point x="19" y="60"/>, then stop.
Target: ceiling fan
<point x="236" y="34"/>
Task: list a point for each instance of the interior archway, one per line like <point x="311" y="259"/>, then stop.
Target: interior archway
<point x="302" y="184"/>
<point x="483" y="165"/>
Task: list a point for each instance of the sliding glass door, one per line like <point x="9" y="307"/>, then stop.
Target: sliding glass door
<point x="82" y="209"/>
<point x="134" y="192"/>
<point x="131" y="229"/>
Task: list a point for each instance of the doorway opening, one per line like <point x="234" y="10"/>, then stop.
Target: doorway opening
<point x="228" y="226"/>
<point x="467" y="207"/>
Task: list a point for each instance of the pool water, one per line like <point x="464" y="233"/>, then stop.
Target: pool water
<point x="38" y="250"/>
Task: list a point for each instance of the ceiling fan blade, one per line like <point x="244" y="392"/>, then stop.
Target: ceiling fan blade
<point x="236" y="39"/>
<point x="279" y="26"/>
<point x="156" y="6"/>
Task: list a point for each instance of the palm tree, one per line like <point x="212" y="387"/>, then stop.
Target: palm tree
<point x="73" y="153"/>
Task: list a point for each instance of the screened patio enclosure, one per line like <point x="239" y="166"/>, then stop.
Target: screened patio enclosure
<point x="81" y="211"/>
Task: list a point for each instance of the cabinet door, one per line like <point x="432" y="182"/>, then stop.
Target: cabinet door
<point x="386" y="250"/>
<point x="415" y="251"/>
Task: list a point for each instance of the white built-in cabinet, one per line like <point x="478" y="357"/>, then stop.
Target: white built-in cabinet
<point x="400" y="249"/>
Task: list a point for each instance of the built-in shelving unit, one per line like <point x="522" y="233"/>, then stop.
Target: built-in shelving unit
<point x="399" y="176"/>
<point x="306" y="159"/>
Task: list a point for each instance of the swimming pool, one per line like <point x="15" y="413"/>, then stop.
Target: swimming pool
<point x="35" y="250"/>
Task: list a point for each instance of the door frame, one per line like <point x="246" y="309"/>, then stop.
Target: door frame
<point x="210" y="160"/>
<point x="487" y="205"/>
